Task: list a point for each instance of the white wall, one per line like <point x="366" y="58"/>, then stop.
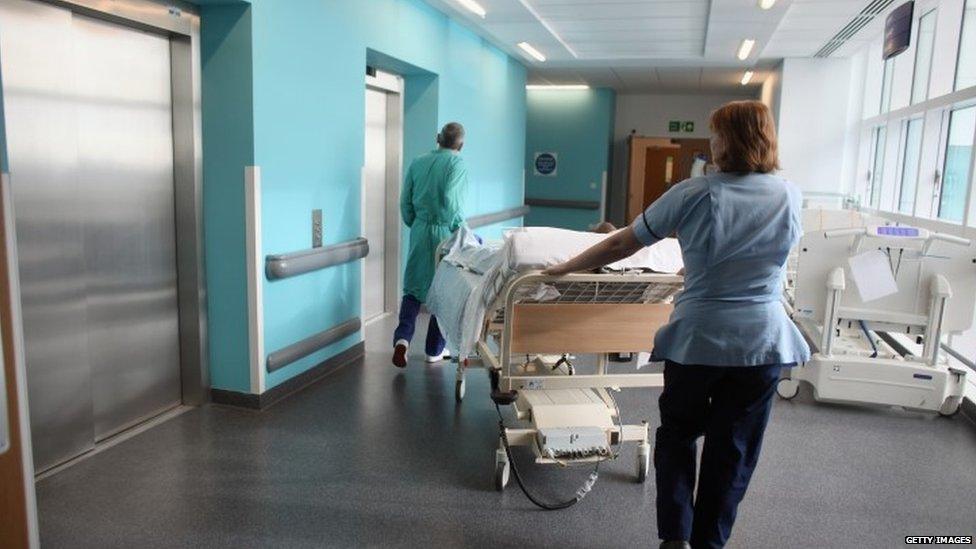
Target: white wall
<point x="814" y="122"/>
<point x="772" y="90"/>
<point x="648" y="115"/>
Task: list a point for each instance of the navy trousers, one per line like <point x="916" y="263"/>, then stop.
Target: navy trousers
<point x="409" y="309"/>
<point x="730" y="407"/>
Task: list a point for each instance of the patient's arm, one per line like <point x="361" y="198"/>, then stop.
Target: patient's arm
<point x="617" y="246"/>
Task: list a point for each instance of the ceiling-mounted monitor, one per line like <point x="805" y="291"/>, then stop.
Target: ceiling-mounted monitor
<point x="898" y="30"/>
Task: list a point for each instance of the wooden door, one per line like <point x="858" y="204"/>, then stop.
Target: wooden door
<point x="651" y="171"/>
<point x="690" y="148"/>
<point x="16" y="475"/>
<point x="660" y="166"/>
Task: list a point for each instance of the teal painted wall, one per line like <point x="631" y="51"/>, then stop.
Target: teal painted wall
<point x="228" y="146"/>
<point x="578" y="126"/>
<point x="309" y="60"/>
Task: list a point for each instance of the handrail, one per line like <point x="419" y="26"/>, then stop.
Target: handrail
<point x="301" y="349"/>
<point x="560" y="203"/>
<point x="482" y="220"/>
<point x="280" y="266"/>
<point x="958" y="356"/>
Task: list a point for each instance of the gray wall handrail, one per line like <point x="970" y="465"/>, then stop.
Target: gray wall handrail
<point x="560" y="203"/>
<point x="301" y="349"/>
<point x="482" y="220"/>
<point x="295" y="263"/>
<point x="958" y="356"/>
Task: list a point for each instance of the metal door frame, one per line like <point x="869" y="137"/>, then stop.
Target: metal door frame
<point x="180" y="23"/>
<point x="391" y="85"/>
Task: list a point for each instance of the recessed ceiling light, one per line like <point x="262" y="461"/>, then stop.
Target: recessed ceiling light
<point x="557" y="87"/>
<point x="536" y="54"/>
<point x="746" y="77"/>
<point x="746" y="48"/>
<point x="767" y="4"/>
<point x="477" y="9"/>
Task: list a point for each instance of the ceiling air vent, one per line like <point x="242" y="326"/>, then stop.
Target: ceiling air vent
<point x="861" y="20"/>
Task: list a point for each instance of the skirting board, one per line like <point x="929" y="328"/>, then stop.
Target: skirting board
<point x="293" y="385"/>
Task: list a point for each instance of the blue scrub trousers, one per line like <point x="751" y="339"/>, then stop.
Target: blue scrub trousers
<point x="730" y="407"/>
<point x="409" y="309"/>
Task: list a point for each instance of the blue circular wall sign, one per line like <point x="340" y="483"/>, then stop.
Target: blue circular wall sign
<point x="545" y="163"/>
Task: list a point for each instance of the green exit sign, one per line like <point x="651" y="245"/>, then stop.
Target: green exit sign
<point x="676" y="126"/>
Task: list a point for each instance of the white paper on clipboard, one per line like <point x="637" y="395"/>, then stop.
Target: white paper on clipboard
<point x="872" y="275"/>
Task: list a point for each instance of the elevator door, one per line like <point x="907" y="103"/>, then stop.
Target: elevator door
<point x="88" y="118"/>
<point x="374" y="205"/>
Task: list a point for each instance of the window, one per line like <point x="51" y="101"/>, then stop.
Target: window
<point x="966" y="64"/>
<point x="877" y="167"/>
<point x="958" y="158"/>
<point x="923" y="57"/>
<point x="887" y="79"/>
<point x="910" y="164"/>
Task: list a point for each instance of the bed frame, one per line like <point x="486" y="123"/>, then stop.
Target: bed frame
<point x="596" y="314"/>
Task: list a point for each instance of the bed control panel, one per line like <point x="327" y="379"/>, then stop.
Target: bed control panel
<point x="573" y="442"/>
<point x="898" y="232"/>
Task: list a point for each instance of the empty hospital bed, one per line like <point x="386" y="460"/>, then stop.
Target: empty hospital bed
<point x="860" y="333"/>
<point x="528" y="328"/>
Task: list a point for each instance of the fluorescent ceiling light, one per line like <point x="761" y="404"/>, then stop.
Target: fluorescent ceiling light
<point x="767" y="4"/>
<point x="528" y="7"/>
<point x="536" y="54"/>
<point x="746" y="77"/>
<point x="746" y="48"/>
<point x="478" y="10"/>
<point x="557" y="87"/>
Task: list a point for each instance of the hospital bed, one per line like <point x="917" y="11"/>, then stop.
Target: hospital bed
<point x="862" y="343"/>
<point x="529" y="337"/>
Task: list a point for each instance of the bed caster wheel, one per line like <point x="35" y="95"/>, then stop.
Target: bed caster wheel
<point x="459" y="387"/>
<point x="787" y="388"/>
<point x="502" y="470"/>
<point x="950" y="407"/>
<point x="643" y="462"/>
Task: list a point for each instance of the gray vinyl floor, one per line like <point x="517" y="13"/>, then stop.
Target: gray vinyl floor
<point x="371" y="456"/>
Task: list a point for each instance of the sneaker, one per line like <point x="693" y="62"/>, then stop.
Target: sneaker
<point x="437" y="358"/>
<point x="400" y="354"/>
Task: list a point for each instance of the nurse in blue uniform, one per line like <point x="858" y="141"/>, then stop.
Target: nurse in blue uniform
<point x="729" y="335"/>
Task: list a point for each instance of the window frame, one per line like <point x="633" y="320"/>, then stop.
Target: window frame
<point x="962" y="30"/>
<point x="944" y="157"/>
<point x="887" y="85"/>
<point x="906" y="126"/>
<point x="934" y="12"/>
<point x="879" y="145"/>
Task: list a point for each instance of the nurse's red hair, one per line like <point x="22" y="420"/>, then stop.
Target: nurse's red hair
<point x="748" y="137"/>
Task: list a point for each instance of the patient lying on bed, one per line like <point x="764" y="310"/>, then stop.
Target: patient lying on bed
<point x="472" y="274"/>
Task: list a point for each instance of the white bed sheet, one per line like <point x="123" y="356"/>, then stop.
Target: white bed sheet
<point x="472" y="275"/>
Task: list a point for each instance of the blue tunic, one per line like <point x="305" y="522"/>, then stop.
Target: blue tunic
<point x="736" y="232"/>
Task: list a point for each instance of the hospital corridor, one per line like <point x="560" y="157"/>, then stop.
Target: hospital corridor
<point x="686" y="274"/>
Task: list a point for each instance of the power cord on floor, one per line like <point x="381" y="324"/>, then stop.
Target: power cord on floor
<point x="580" y="493"/>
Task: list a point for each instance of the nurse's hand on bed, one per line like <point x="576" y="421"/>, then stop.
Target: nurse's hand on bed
<point x="617" y="246"/>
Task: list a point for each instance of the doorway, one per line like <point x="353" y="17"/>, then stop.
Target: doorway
<point x="381" y="194"/>
<point x="657" y="163"/>
<point x="100" y="141"/>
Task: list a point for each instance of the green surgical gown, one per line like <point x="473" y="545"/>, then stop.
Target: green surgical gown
<point x="431" y="206"/>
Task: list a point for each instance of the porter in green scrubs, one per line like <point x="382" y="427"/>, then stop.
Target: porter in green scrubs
<point x="431" y="206"/>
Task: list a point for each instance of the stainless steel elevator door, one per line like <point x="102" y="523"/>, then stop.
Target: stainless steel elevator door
<point x="125" y="175"/>
<point x="374" y="205"/>
<point x="88" y="119"/>
<point x="41" y="135"/>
